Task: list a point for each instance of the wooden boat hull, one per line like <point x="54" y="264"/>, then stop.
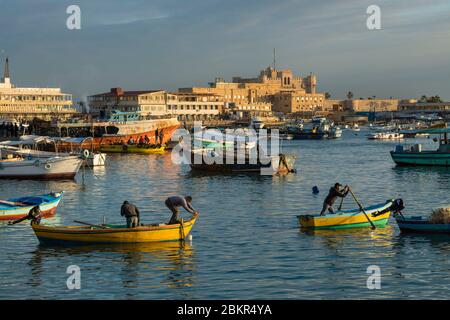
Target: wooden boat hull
<point x="420" y="225"/>
<point x="309" y="136"/>
<point x="133" y="130"/>
<point x="131" y="149"/>
<point x="47" y="203"/>
<point x="424" y="158"/>
<point x="378" y="214"/>
<point x="112" y="234"/>
<point x="277" y="164"/>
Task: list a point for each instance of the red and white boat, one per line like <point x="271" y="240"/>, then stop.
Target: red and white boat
<point x="119" y="128"/>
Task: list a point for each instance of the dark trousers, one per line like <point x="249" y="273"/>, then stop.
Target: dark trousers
<point x="175" y="212"/>
<point x="132" y="222"/>
<point x="326" y="207"/>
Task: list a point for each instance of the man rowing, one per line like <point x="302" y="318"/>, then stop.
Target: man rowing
<point x="174" y="202"/>
<point x="34" y="215"/>
<point x="333" y="194"/>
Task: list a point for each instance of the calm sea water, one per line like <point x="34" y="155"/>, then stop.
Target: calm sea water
<point x="246" y="243"/>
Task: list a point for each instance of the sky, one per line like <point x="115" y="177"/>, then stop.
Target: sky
<point x="168" y="44"/>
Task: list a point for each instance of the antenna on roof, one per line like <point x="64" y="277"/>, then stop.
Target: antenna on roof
<point x="274" y="59"/>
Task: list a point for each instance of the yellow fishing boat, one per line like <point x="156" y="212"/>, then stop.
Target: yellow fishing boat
<point x="354" y="218"/>
<point x="133" y="148"/>
<point x="113" y="233"/>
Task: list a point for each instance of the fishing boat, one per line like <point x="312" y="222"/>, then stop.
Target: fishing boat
<point x="385" y="136"/>
<point x="133" y="148"/>
<point x="43" y="147"/>
<point x="207" y="160"/>
<point x="113" y="234"/>
<point x="16" y="208"/>
<point x="414" y="155"/>
<point x="43" y="169"/>
<point x="420" y="224"/>
<point x="335" y="132"/>
<point x="353" y="218"/>
<point x="121" y="127"/>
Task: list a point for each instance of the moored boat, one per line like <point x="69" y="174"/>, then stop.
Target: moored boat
<point x="113" y="234"/>
<point x="353" y="218"/>
<point x="127" y="148"/>
<point x="16" y="208"/>
<point x="420" y="224"/>
<point x="416" y="156"/>
<point x="45" y="169"/>
<point x="385" y="136"/>
<point x="206" y="160"/>
<point x="121" y="127"/>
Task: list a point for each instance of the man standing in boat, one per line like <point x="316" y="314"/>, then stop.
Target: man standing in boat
<point x="333" y="194"/>
<point x="131" y="212"/>
<point x="173" y="203"/>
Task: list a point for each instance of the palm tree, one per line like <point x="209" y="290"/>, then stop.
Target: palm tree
<point x="327" y="95"/>
<point x="350" y="95"/>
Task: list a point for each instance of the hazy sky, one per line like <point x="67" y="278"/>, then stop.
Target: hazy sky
<point x="167" y="44"/>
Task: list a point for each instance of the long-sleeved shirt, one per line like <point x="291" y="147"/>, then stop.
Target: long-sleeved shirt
<point x="178" y="201"/>
<point x="129" y="210"/>
<point x="333" y="194"/>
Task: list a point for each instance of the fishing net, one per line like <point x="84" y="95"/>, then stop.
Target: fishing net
<point x="440" y="215"/>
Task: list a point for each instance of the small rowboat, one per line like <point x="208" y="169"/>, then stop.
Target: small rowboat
<point x="17" y="208"/>
<point x="420" y="224"/>
<point x="124" y="148"/>
<point x="113" y="234"/>
<point x="354" y="218"/>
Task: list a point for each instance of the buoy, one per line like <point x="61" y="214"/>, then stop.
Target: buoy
<point x="86" y="153"/>
<point x="315" y="190"/>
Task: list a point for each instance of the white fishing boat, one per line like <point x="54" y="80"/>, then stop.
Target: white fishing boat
<point x="256" y="123"/>
<point x="335" y="132"/>
<point x="37" y="147"/>
<point x="40" y="168"/>
<point x="385" y="136"/>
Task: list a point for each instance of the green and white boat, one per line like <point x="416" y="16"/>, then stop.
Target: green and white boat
<point x="415" y="156"/>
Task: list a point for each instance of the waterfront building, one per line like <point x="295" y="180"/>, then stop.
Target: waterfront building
<point x="371" y="105"/>
<point x="299" y="102"/>
<point x="416" y="106"/>
<point x="249" y="111"/>
<point x="280" y="88"/>
<point x="19" y="104"/>
<point x="146" y="102"/>
<point x="194" y="106"/>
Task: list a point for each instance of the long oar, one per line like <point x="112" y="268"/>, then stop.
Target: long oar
<point x="90" y="224"/>
<point x="362" y="209"/>
<point x="340" y="205"/>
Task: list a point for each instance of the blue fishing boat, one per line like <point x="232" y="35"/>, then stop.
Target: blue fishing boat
<point x="17" y="208"/>
<point x="420" y="224"/>
<point x="416" y="156"/>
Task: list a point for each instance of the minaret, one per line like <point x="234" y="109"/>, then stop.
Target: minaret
<point x="6" y="81"/>
<point x="6" y="73"/>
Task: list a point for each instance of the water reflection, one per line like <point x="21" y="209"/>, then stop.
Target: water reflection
<point x="146" y="265"/>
